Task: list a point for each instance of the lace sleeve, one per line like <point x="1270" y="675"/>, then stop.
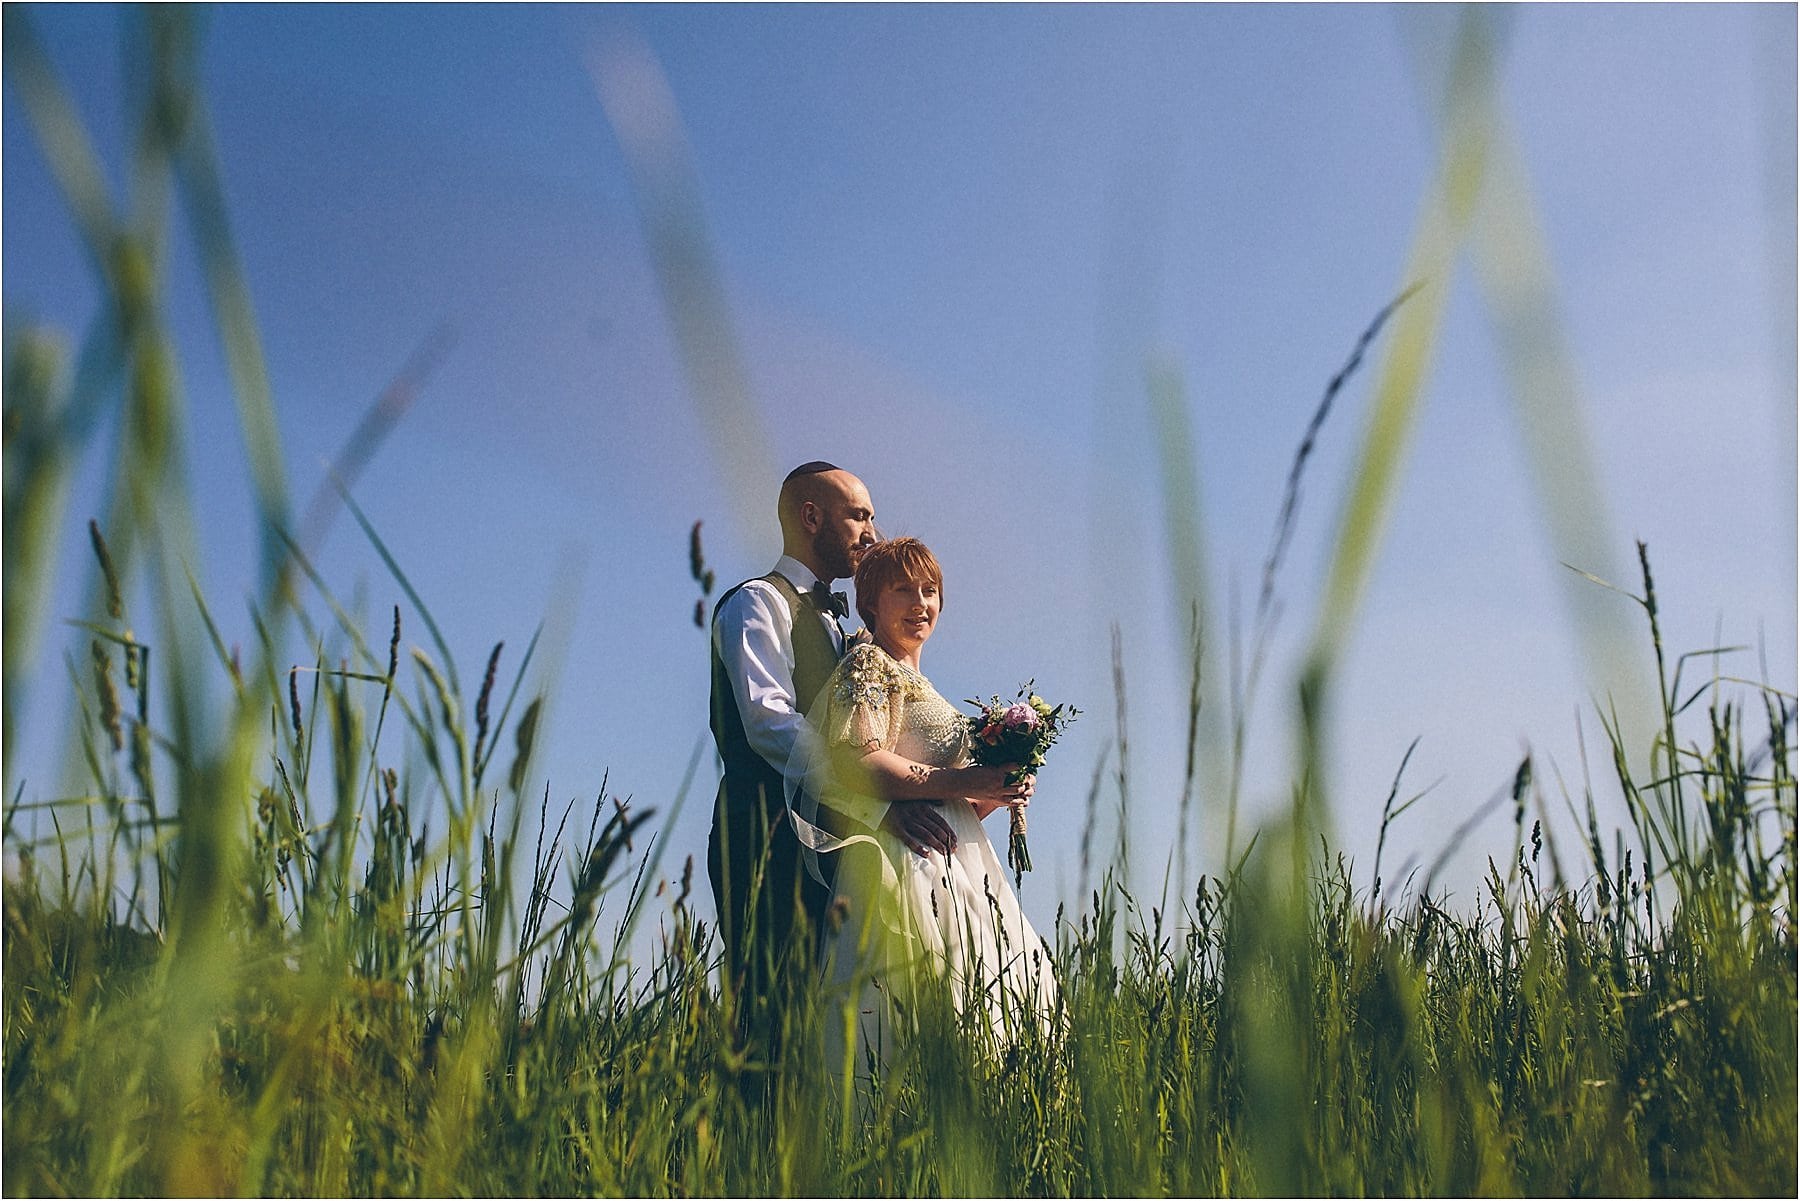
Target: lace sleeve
<point x="867" y="701"/>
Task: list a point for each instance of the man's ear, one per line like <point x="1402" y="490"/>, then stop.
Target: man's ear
<point x="811" y="516"/>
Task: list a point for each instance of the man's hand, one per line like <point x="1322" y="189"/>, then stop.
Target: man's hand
<point x="920" y="826"/>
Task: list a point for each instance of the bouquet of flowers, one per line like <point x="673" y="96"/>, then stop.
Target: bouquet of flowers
<point x="1017" y="731"/>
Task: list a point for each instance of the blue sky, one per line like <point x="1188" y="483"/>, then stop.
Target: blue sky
<point x="951" y="239"/>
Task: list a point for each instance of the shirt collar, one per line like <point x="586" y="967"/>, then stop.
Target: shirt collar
<point x="798" y="574"/>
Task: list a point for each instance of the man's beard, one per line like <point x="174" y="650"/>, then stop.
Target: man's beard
<point x="838" y="560"/>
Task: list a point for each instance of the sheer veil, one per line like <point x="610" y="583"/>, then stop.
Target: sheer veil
<point x="808" y="778"/>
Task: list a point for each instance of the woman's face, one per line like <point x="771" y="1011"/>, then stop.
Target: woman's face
<point x="905" y="614"/>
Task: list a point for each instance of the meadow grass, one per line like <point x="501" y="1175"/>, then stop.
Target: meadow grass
<point x="300" y="928"/>
<point x="389" y="1022"/>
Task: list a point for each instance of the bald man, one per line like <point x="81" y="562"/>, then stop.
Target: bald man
<point x="775" y="642"/>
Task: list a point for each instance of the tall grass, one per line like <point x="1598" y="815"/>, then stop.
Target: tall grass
<point x="389" y="1025"/>
<point x="299" y="928"/>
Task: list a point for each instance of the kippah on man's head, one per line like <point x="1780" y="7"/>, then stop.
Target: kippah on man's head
<point x="816" y="467"/>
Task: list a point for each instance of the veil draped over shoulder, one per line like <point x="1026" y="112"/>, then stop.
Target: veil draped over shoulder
<point x="811" y="776"/>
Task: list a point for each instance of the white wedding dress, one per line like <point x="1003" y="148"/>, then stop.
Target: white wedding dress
<point x="901" y="917"/>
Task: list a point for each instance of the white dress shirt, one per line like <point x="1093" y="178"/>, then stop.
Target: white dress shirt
<point x="753" y="632"/>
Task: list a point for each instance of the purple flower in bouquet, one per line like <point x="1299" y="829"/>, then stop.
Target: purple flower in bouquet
<point x="1017" y="732"/>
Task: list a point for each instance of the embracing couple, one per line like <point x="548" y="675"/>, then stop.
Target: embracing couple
<point x="847" y="837"/>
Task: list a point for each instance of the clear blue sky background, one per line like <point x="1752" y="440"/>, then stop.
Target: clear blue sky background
<point x="951" y="237"/>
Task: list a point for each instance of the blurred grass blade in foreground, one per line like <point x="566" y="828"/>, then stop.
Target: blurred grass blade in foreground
<point x="642" y="112"/>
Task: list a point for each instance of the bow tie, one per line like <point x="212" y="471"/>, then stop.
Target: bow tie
<point x="826" y="601"/>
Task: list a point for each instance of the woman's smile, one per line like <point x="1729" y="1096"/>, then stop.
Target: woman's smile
<point x="904" y="616"/>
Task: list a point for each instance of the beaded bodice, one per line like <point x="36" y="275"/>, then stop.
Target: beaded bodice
<point x="934" y="734"/>
<point x="879" y="701"/>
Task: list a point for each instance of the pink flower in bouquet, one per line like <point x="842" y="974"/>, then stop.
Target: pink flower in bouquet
<point x="1021" y="717"/>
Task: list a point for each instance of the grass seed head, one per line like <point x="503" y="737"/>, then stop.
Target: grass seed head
<point x="115" y="600"/>
<point x="697" y="556"/>
<point x="481" y="701"/>
<point x="109" y="696"/>
<point x="294" y="704"/>
<point x="394" y="647"/>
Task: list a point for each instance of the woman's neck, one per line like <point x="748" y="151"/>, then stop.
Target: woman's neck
<point x="910" y="658"/>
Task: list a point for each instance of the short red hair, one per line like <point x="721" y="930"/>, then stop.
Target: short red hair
<point x="896" y="561"/>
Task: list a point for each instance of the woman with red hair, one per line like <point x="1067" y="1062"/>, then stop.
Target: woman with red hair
<point x="923" y="892"/>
